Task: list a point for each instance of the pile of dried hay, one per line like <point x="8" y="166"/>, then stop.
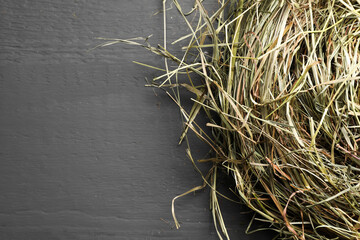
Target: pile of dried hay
<point x="283" y="83"/>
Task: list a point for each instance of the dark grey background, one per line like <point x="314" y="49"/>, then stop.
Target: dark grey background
<point x="87" y="152"/>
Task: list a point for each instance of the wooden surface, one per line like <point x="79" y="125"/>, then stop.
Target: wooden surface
<point x="88" y="152"/>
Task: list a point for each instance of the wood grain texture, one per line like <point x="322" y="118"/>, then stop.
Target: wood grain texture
<point x="87" y="152"/>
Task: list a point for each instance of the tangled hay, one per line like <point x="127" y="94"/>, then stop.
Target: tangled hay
<point x="282" y="81"/>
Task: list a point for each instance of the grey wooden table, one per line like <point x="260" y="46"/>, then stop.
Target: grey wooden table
<point x="87" y="152"/>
